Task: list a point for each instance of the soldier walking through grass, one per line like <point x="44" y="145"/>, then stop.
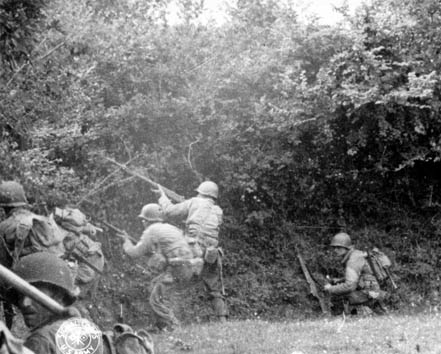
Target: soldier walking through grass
<point x="203" y="219"/>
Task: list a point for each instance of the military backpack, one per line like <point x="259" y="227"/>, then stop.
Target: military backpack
<point x="122" y="339"/>
<point x="380" y="264"/>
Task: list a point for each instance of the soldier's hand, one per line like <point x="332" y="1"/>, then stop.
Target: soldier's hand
<point x="158" y="190"/>
<point x="327" y="286"/>
<point x="124" y="235"/>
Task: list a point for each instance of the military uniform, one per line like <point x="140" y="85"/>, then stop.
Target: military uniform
<point x="202" y="221"/>
<point x="41" y="340"/>
<point x="359" y="282"/>
<point x="168" y="252"/>
<point x="25" y="232"/>
<point x="51" y="275"/>
<point x="359" y="285"/>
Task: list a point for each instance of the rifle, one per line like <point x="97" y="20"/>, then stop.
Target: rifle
<point x="27" y="289"/>
<point x="221" y="272"/>
<point x="118" y="231"/>
<point x="314" y="289"/>
<point x="392" y="281"/>
<point x="174" y="196"/>
<point x="82" y="259"/>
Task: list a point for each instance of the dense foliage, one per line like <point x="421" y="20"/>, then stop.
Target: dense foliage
<point x="306" y="128"/>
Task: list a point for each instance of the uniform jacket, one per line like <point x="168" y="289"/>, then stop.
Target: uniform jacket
<point x="160" y="238"/>
<point x="202" y="217"/>
<point x="358" y="274"/>
<point x="42" y="340"/>
<point x="25" y="232"/>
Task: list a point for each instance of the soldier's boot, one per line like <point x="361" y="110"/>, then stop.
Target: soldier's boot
<point x="220" y="309"/>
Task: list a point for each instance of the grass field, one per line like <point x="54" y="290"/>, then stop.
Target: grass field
<point x="384" y="334"/>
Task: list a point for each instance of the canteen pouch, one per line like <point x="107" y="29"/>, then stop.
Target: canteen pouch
<point x="211" y="254"/>
<point x="194" y="246"/>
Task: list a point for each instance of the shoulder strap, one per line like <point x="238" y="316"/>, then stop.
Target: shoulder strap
<point x="371" y="265"/>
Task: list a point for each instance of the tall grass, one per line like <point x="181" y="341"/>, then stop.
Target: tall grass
<point x="386" y="334"/>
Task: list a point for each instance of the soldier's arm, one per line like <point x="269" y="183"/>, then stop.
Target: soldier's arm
<point x="174" y="211"/>
<point x="352" y="276"/>
<point x="142" y="248"/>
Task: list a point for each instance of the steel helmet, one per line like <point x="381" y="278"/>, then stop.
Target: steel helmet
<point x="341" y="239"/>
<point x="209" y="189"/>
<point x="45" y="267"/>
<point x="12" y="194"/>
<point x="151" y="212"/>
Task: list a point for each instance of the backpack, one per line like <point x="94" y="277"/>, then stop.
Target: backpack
<point x="77" y="240"/>
<point x="380" y="264"/>
<point x="123" y="340"/>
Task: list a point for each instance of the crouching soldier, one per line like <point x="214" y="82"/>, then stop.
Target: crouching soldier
<point x="203" y="219"/>
<point x="359" y="287"/>
<point x="50" y="332"/>
<point x="169" y="255"/>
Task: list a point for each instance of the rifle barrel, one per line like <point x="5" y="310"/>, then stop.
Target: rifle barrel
<point x="29" y="290"/>
<point x="173" y="195"/>
<point x="117" y="230"/>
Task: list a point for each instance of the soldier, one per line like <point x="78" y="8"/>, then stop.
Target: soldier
<point x="52" y="276"/>
<point x="202" y="222"/>
<point x="23" y="232"/>
<point x="171" y="257"/>
<point x="359" y="286"/>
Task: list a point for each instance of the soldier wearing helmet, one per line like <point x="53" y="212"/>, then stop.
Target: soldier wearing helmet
<point x="359" y="286"/>
<point x="51" y="275"/>
<point x="24" y="232"/>
<point x="203" y="219"/>
<point x="169" y="256"/>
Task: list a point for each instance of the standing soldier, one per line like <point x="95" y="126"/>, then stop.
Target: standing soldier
<point x="202" y="222"/>
<point x="359" y="286"/>
<point x="52" y="276"/>
<point x="169" y="254"/>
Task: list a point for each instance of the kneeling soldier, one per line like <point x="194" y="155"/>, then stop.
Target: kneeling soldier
<point x="359" y="286"/>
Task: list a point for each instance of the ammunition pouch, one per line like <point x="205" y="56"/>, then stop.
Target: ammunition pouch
<point x="157" y="263"/>
<point x="194" y="246"/>
<point x="211" y="255"/>
<point x="184" y="269"/>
